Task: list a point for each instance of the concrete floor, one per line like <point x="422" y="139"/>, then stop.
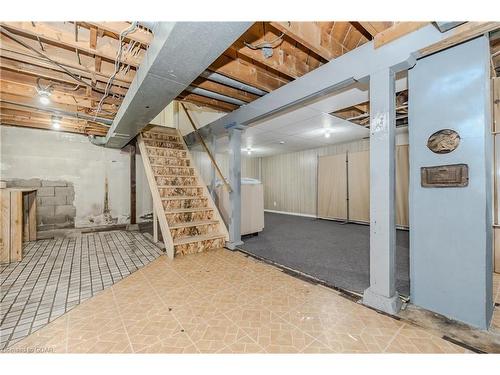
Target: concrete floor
<point x="336" y="253"/>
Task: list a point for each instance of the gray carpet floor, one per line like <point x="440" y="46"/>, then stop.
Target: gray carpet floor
<point x="327" y="250"/>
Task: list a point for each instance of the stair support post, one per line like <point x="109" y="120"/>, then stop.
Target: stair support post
<point x="235" y="182"/>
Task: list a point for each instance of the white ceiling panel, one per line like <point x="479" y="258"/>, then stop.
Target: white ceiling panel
<point x="305" y="127"/>
<point x="299" y="114"/>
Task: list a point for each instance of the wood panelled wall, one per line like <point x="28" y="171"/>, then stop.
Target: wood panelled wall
<point x="290" y="180"/>
<point x="249" y="166"/>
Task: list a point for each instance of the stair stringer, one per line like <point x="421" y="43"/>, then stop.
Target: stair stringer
<point x="157" y="201"/>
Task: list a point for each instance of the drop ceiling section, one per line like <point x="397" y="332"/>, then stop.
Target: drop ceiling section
<point x="305" y="127"/>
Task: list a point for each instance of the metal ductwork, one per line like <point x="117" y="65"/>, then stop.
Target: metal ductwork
<point x="150" y="25"/>
<point x="446" y="26"/>
<point x="219" y="78"/>
<point x="178" y="54"/>
<point x="214" y="95"/>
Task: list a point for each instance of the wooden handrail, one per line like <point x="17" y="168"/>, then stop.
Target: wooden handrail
<point x="212" y="159"/>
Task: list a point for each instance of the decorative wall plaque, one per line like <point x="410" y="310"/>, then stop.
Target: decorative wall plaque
<point x="456" y="175"/>
<point x="443" y="141"/>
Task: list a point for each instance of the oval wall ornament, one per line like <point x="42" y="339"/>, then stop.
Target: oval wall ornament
<point x="443" y="141"/>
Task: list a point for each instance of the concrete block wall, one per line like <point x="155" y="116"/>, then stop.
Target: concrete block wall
<point x="55" y="202"/>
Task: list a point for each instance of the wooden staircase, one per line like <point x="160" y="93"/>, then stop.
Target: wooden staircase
<point x="189" y="220"/>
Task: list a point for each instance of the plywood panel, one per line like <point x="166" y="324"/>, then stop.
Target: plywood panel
<point x="402" y="183"/>
<point x="32" y="215"/>
<point x="332" y="187"/>
<point x="16" y="232"/>
<point x="359" y="186"/>
<point x="5" y="226"/>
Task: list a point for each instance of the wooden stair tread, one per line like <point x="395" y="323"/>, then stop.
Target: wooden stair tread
<point x="167" y="148"/>
<point x="177" y="198"/>
<point x="205" y="237"/>
<point x="174" y="175"/>
<point x="163" y="147"/>
<point x="158" y="129"/>
<point x="170" y="166"/>
<point x="179" y="186"/>
<point x="182" y="210"/>
<point x="167" y="157"/>
<point x="192" y="224"/>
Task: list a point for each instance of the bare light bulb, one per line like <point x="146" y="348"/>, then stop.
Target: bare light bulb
<point x="44" y="99"/>
<point x="327" y="134"/>
<point x="56" y="124"/>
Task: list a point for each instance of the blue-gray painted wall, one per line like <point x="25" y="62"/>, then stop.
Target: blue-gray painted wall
<point x="451" y="228"/>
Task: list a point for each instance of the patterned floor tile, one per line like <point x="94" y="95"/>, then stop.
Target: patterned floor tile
<point x="415" y="340"/>
<point x="199" y="304"/>
<point x="57" y="275"/>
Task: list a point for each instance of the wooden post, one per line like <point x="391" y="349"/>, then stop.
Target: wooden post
<point x="5" y="227"/>
<point x="16" y="232"/>
<point x="133" y="188"/>
<point x="32" y="215"/>
<point x="26" y="224"/>
<point x="155" y="226"/>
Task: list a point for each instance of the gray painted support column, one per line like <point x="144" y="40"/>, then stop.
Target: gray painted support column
<point x="451" y="231"/>
<point x="213" y="150"/>
<point x="235" y="182"/>
<point x="382" y="293"/>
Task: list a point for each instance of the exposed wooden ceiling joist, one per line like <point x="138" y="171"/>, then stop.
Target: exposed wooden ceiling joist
<point x="397" y="30"/>
<point x="79" y="101"/>
<point x="287" y="58"/>
<point x="43" y="121"/>
<point x="115" y="28"/>
<point x="208" y="102"/>
<point x="224" y="90"/>
<point x="52" y="75"/>
<point x="314" y="35"/>
<point x="244" y="71"/>
<point x="85" y="66"/>
<point x="49" y="33"/>
<point x="374" y="27"/>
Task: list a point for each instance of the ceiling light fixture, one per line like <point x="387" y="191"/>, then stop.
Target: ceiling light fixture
<point x="249" y="150"/>
<point x="282" y="142"/>
<point x="327" y="133"/>
<point x="43" y="92"/>
<point x="56" y="122"/>
<point x="43" y="96"/>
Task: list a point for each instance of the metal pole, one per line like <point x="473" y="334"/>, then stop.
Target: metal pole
<point x="133" y="186"/>
<point x="235" y="194"/>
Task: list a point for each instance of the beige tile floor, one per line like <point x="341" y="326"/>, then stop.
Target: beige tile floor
<point x="225" y="302"/>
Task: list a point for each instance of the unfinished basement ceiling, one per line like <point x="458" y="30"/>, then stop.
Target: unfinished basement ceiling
<point x="74" y="61"/>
